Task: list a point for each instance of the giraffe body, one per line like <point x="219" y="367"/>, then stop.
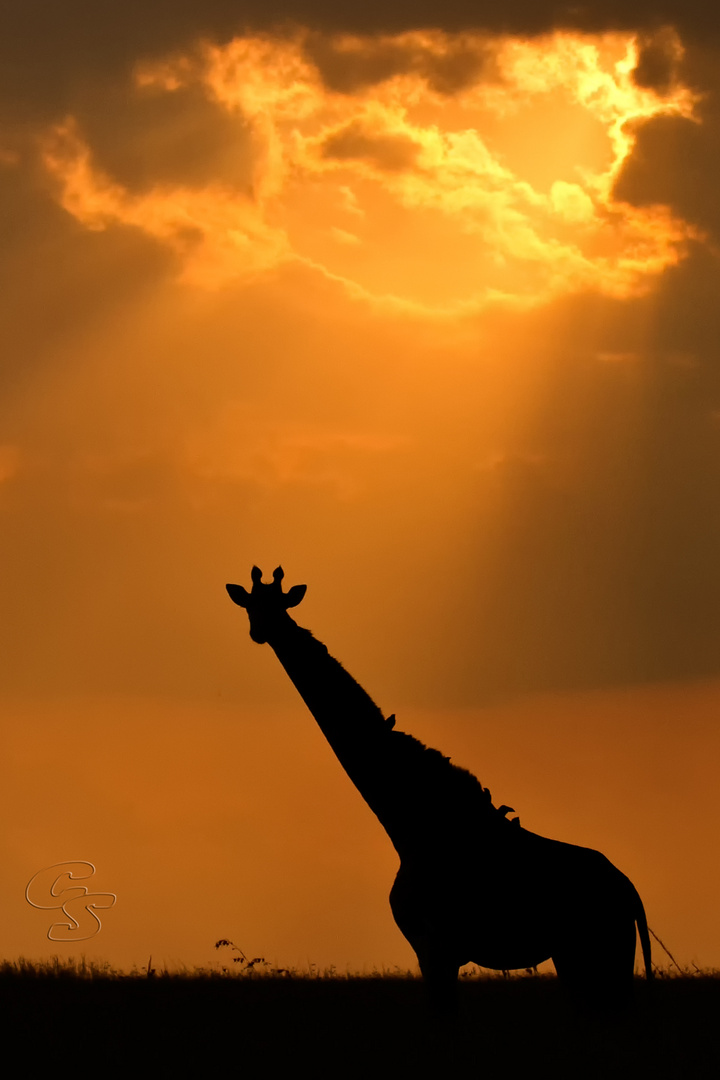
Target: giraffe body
<point x="473" y="887"/>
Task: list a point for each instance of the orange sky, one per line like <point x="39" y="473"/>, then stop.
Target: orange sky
<point x="429" y="316"/>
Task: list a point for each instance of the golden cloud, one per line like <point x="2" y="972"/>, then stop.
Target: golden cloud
<point x="214" y="230"/>
<point x="428" y="172"/>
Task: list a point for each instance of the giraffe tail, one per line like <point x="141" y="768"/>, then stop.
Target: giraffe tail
<point x="644" y="933"/>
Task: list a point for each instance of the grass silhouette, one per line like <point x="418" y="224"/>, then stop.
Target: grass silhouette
<point x="252" y="1015"/>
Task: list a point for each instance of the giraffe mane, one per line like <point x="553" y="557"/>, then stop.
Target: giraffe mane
<point x="453" y="780"/>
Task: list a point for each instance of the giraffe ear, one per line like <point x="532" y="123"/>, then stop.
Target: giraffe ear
<point x="294" y="596"/>
<point x="238" y="595"/>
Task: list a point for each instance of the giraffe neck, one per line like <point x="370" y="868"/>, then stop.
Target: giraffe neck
<point x="347" y="716"/>
<point x="416" y="793"/>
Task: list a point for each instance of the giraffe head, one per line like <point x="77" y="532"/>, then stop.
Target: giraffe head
<point x="266" y="605"/>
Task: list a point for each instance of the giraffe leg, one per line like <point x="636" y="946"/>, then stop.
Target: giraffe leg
<point x="440" y="975"/>
<point x="603" y="989"/>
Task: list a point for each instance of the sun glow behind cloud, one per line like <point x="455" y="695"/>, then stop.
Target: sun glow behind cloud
<point x="427" y="173"/>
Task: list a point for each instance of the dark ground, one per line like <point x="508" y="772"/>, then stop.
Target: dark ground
<point x="360" y="1026"/>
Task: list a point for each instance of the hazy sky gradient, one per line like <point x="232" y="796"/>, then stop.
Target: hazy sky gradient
<point x="428" y="314"/>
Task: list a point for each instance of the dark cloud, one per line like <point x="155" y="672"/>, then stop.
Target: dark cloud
<point x="350" y="65"/>
<point x="675" y="163"/>
<point x="686" y="321"/>
<point x="49" y="51"/>
<point x="147" y="136"/>
<point x="659" y="60"/>
<point x="387" y="152"/>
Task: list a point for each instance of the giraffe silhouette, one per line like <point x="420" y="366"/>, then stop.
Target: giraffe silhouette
<point x="473" y="886"/>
